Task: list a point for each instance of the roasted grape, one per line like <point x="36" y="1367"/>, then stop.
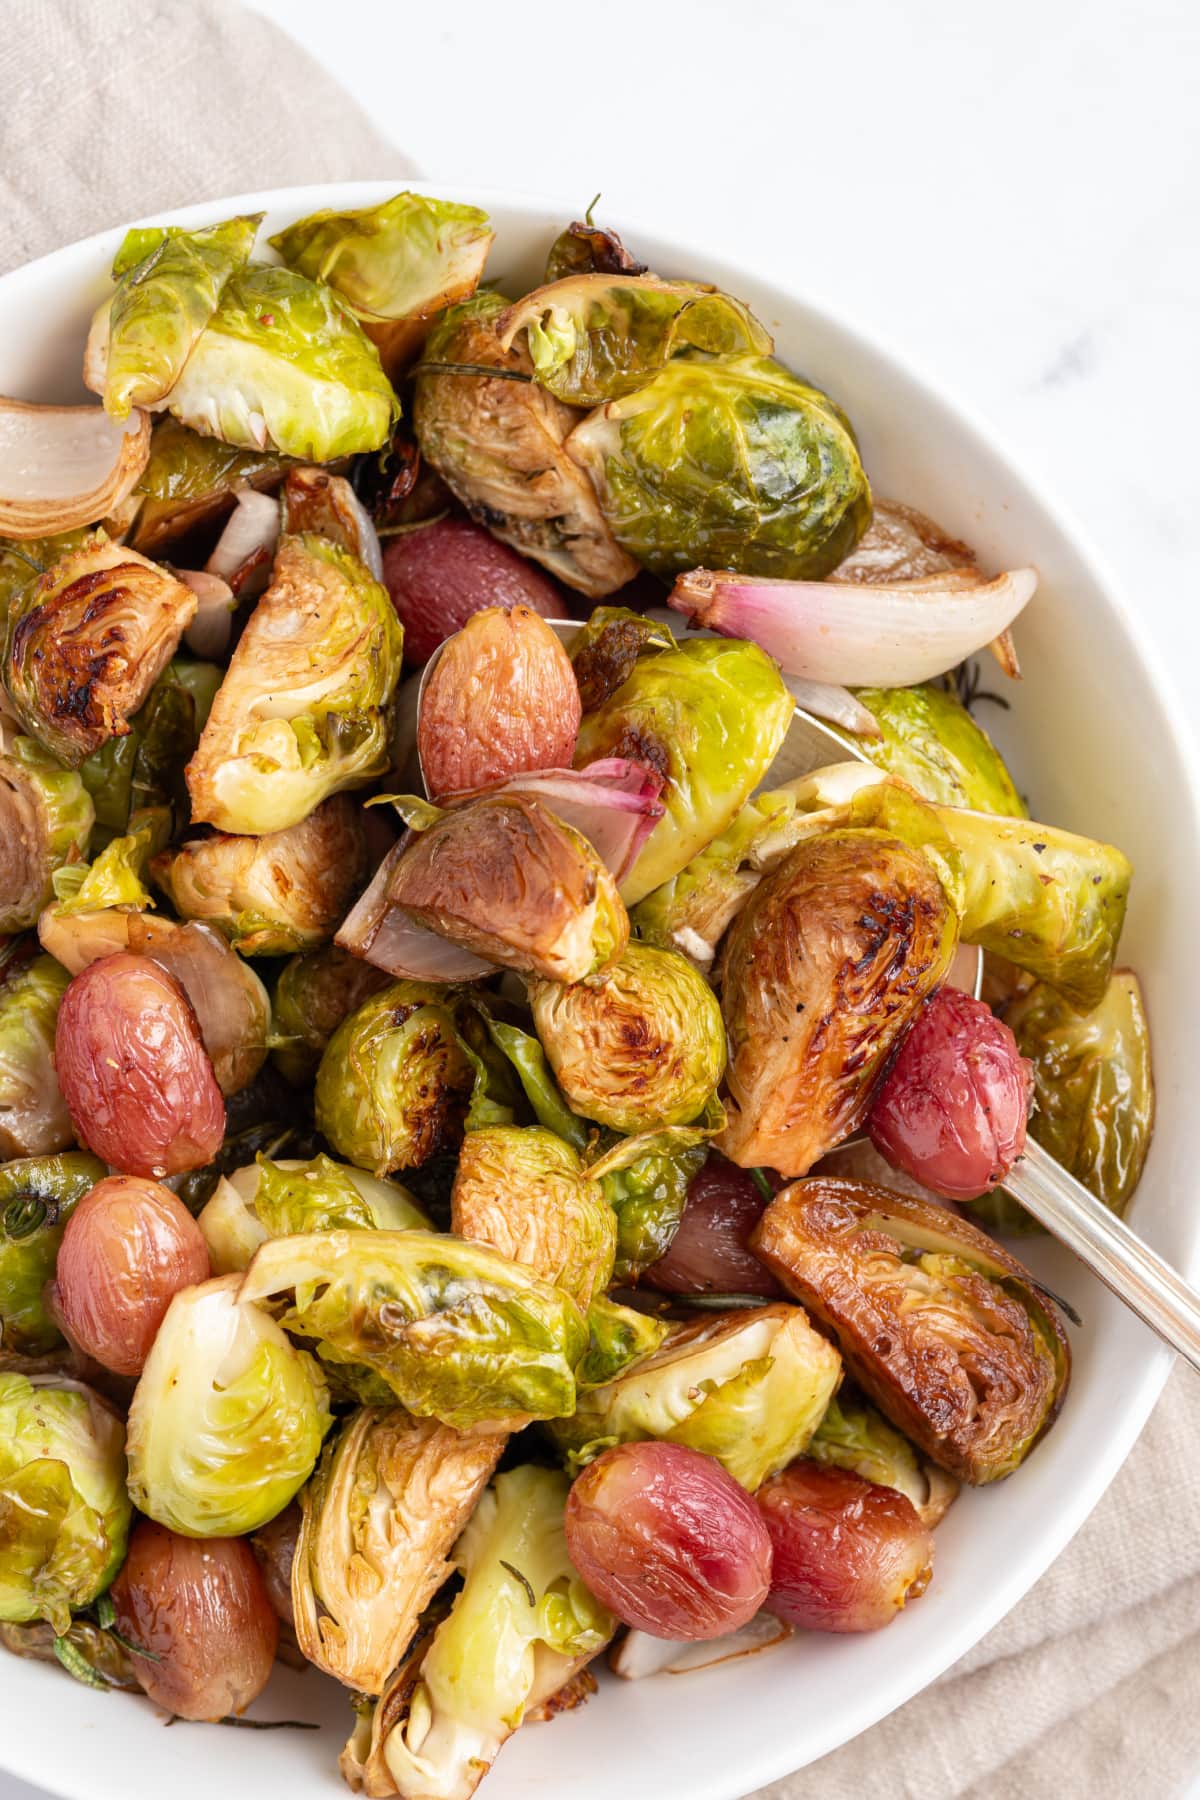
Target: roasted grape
<point x="441" y="573"/>
<point x="709" y="1253"/>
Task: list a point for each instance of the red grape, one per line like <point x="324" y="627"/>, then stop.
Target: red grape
<point x="709" y="1253"/>
<point x="952" y="1110"/>
<point x="439" y="574"/>
<point x="129" y="1246"/>
<point x="847" y="1553"/>
<point x="274" y="1547"/>
<point x="668" y="1541"/>
<point x="133" y="1069"/>
<point x="199" y="1606"/>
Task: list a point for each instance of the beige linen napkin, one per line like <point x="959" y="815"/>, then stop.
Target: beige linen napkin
<point x="1091" y="1687"/>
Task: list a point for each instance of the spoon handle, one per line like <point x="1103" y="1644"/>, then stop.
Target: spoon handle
<point x="1137" y="1275"/>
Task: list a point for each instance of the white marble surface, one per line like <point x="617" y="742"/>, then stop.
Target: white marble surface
<point x="1006" y="196"/>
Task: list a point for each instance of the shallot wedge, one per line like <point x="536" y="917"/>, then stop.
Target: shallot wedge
<point x="613" y="802"/>
<point x="250" y="535"/>
<point x="859" y="635"/>
<point x="65" y="466"/>
<point x="385" y="936"/>
<point x="208" y="634"/>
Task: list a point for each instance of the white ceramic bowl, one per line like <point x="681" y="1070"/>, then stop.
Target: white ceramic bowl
<point x="1096" y="743"/>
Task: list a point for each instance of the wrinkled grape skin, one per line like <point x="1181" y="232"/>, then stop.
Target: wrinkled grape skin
<point x="199" y="1606"/>
<point x="709" y="1253"/>
<point x="133" y="1069"/>
<point x="274" y="1547"/>
<point x="952" y="1110"/>
<point x="439" y="574"/>
<point x="668" y="1541"/>
<point x="847" y="1553"/>
<point x="129" y="1246"/>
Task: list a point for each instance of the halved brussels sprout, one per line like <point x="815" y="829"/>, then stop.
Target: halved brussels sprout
<point x="521" y="1627"/>
<point x="314" y="993"/>
<point x="280" y="1198"/>
<point x="396" y="264"/>
<point x="929" y="739"/>
<point x="303" y="711"/>
<point x="749" y="1388"/>
<point x="640" y="1047"/>
<point x="527" y="1194"/>
<point x="505" y="878"/>
<point x="64" y="1512"/>
<point x="86" y="643"/>
<point x="457" y="1331"/>
<point x="145" y="767"/>
<point x="827" y="964"/>
<point x="648" y="1196"/>
<point x="191" y="481"/>
<point x="498" y="441"/>
<point x="606" y="650"/>
<point x="22" y="560"/>
<point x="853" y="1436"/>
<point x="617" y="1337"/>
<point x="275" y="894"/>
<point x="945" y="1331"/>
<point x="593" y="338"/>
<point x="227" y="1417"/>
<point x="710" y="717"/>
<point x="729" y="463"/>
<point x="381" y="1515"/>
<point x="112" y="879"/>
<point x="38" y="1194"/>
<point x="34" y="1120"/>
<point x="395" y="1080"/>
<point x="315" y="500"/>
<point x="169" y="283"/>
<point x="282" y="366"/>
<point x="46" y="819"/>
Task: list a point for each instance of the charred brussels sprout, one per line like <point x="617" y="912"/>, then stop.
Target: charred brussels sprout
<point x="521" y="1627"/>
<point x="749" y="1388"/>
<point x="709" y="717"/>
<point x="275" y="894"/>
<point x="314" y="993"/>
<point x="86" y="643"/>
<point x="644" y="1046"/>
<point x="507" y="879"/>
<point x="499" y="443"/>
<point x="303" y="711"/>
<point x="191" y="481"/>
<point x="853" y="1436"/>
<point x="585" y="248"/>
<point x="827" y="964"/>
<point x="929" y="739"/>
<point x="227" y="1418"/>
<point x="380" y="1517"/>
<point x="943" y="1329"/>
<point x="597" y="337"/>
<point x="457" y="1331"/>
<point x="34" y="1120"/>
<point x="145" y="767"/>
<point x="727" y="463"/>
<point x="395" y="1081"/>
<point x="46" y="818"/>
<point x="64" y="1511"/>
<point x="278" y="1199"/>
<point x="38" y="1194"/>
<point x="606" y="650"/>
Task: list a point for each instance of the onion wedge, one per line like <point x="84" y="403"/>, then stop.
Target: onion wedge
<point x="208" y="634"/>
<point x="381" y="933"/>
<point x="613" y="802"/>
<point x="637" y="1654"/>
<point x="859" y="635"/>
<point x="65" y="466"/>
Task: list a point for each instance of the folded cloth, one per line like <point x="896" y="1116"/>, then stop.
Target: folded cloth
<point x="1091" y="1686"/>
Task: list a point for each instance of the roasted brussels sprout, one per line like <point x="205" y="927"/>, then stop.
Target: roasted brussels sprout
<point x="521" y="1627"/>
<point x="606" y="650"/>
<point x="276" y="1199"/>
<point x="749" y="1388"/>
<point x="282" y="366"/>
<point x="37" y="1196"/>
<point x="169" y="284"/>
<point x="729" y="463"/>
<point x="648" y="1196"/>
<point x="86" y="1651"/>
<point x="644" y="1046"/>
<point x="503" y="877"/>
<point x="381" y="1515"/>
<point x="618" y="1336"/>
<point x="227" y="1417"/>
<point x="527" y="1194"/>
<point x="593" y="337"/>
<point x="22" y="560"/>
<point x="1093" y="1084"/>
<point x="941" y="1327"/>
<point x="457" y="1331"/>
<point x="826" y="965"/>
<point x="46" y="819"/>
<point x="191" y="481"/>
<point x="709" y="716"/>
<point x="395" y="265"/>
<point x="499" y="443"/>
<point x="275" y="894"/>
<point x="64" y="1512"/>
<point x="395" y="1081"/>
<point x="314" y="993"/>
<point x="929" y="739"/>
<point x="145" y="768"/>
<point x="34" y="1120"/>
<point x="853" y="1436"/>
<point x="86" y="643"/>
<point x="585" y="248"/>
<point x="303" y="709"/>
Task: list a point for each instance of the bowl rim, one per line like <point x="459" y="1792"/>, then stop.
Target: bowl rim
<point x="764" y="1762"/>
